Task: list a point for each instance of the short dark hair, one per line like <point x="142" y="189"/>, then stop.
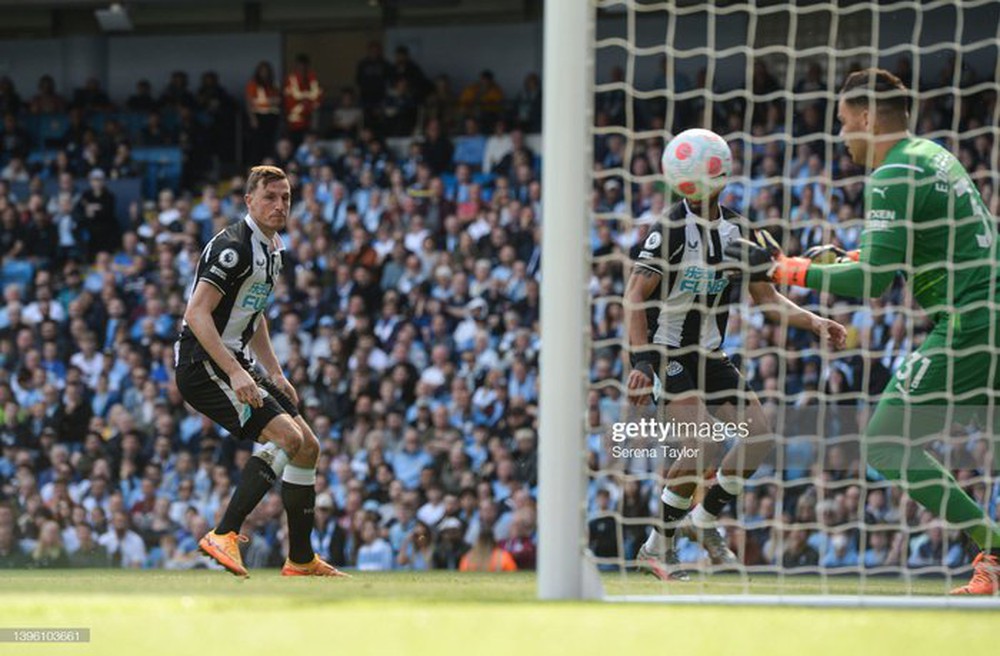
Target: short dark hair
<point x="265" y="175"/>
<point x="878" y="87"/>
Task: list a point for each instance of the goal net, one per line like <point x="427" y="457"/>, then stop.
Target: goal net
<point x="818" y="521"/>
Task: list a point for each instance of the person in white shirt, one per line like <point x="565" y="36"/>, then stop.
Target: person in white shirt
<point x="123" y="545"/>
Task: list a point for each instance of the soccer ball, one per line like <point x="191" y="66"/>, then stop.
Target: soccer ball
<point x="697" y="163"/>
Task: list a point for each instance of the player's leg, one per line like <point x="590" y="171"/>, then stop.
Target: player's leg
<point x="922" y="400"/>
<point x="741" y="461"/>
<point x="676" y="497"/>
<point x="207" y="389"/>
<point x="298" y="491"/>
<point x="737" y="407"/>
<point x="681" y="405"/>
<point x="298" y="494"/>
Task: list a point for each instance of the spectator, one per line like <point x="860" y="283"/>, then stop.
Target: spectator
<point x="177" y="95"/>
<point x="450" y="548"/>
<point x="124" y="546"/>
<point x="328" y="538"/>
<point x="528" y="105"/>
<point x="303" y="97"/>
<point x="15" y="142"/>
<point x="142" y="100"/>
<point x="470" y="148"/>
<point x="10" y="100"/>
<point x="441" y="104"/>
<point x="88" y="553"/>
<point x="374" y="554"/>
<point x="263" y="101"/>
<point x="405" y="68"/>
<point x="482" y="100"/>
<point x="410" y="459"/>
<point x="91" y="97"/>
<point x="437" y="149"/>
<point x="371" y="77"/>
<point x="348" y="117"/>
<point x="417" y="551"/>
<point x="798" y="553"/>
<point x="49" y="552"/>
<point x="97" y="209"/>
<point x="486" y="556"/>
<point x="521" y="545"/>
<point x="11" y="556"/>
<point x="46" y="100"/>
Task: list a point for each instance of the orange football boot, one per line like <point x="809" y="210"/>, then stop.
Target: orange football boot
<point x="316" y="567"/>
<point x="985" y="577"/>
<point x="225" y="550"/>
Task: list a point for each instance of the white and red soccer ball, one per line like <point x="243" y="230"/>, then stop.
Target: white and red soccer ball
<point x="697" y="163"/>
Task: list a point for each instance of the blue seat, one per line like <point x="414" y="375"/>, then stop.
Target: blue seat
<point x="133" y="123"/>
<point x="20" y="272"/>
<point x="484" y="180"/>
<point x="163" y="168"/>
<point x="49" y="128"/>
<point x="42" y="157"/>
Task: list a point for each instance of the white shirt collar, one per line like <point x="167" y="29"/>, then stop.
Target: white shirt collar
<point x="692" y="213"/>
<point x="277" y="244"/>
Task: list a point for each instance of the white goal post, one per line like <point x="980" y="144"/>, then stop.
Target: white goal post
<point x="566" y="154"/>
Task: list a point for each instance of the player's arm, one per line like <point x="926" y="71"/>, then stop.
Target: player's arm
<point x="198" y="316"/>
<point x="778" y="307"/>
<point x="882" y="254"/>
<point x="641" y="285"/>
<point x="264" y="350"/>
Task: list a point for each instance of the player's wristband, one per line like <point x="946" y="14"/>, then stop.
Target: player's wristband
<point x="791" y="271"/>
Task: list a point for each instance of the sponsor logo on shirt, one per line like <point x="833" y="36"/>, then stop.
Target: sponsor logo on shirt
<point x="256" y="297"/>
<point x="702" y="280"/>
<point x="884" y="215"/>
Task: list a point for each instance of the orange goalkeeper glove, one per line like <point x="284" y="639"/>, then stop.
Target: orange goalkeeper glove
<point x="767" y="262"/>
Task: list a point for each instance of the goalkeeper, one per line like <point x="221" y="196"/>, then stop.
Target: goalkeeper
<point x="924" y="218"/>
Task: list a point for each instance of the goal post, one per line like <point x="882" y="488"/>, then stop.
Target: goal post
<point x="566" y="155"/>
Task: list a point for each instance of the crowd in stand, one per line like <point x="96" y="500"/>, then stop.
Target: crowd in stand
<point x="407" y="319"/>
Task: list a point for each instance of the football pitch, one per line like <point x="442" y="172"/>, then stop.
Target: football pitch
<point x="194" y="612"/>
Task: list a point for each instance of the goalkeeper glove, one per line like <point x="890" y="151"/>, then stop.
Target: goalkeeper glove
<point x="830" y="254"/>
<point x="767" y="262"/>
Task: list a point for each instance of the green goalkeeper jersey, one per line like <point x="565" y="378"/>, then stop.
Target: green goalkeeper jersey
<point x="924" y="217"/>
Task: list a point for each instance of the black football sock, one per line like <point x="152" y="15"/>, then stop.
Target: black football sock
<point x="256" y="479"/>
<point x="300" y="502"/>
<point x="671" y="515"/>
<point x="716" y="499"/>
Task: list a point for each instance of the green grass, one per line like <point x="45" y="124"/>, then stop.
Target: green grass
<point x="150" y="613"/>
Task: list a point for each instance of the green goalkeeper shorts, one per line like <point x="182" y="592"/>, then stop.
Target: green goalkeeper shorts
<point x="950" y="383"/>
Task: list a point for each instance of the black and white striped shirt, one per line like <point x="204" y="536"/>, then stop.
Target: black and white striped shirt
<point x="686" y="250"/>
<point x="243" y="264"/>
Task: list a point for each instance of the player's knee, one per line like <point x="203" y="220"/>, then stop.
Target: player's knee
<point x="310" y="446"/>
<point x="286" y="434"/>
